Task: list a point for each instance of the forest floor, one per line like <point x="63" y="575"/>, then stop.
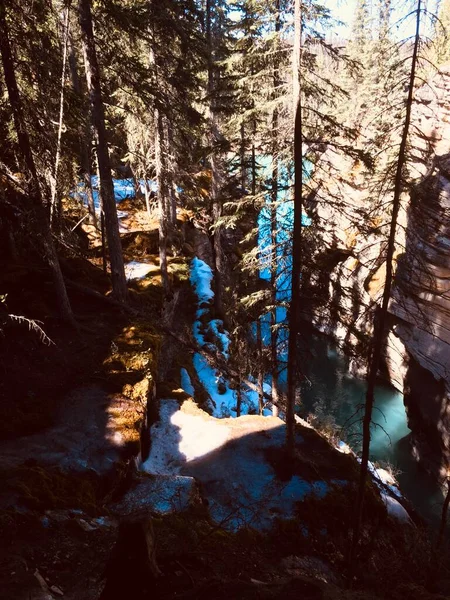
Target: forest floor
<point x="70" y="415"/>
<point x="71" y="405"/>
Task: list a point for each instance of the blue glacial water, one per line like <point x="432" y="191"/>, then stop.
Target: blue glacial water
<point x="333" y="395"/>
<point x="330" y="392"/>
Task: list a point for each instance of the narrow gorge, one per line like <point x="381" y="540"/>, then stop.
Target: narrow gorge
<point x="417" y="350"/>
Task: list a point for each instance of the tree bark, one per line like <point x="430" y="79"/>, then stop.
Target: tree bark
<point x="254" y="169"/>
<point x="171" y="182"/>
<point x="118" y="280"/>
<point x="216" y="178"/>
<point x="274" y="225"/>
<point x="381" y="321"/>
<point x="42" y="222"/>
<point x="55" y="205"/>
<point x="242" y="157"/>
<point x="444" y="516"/>
<point x="163" y="201"/>
<point x="84" y="136"/>
<point x="259" y="347"/>
<point x="238" y="400"/>
<point x="147" y="197"/>
<point x="162" y="182"/>
<point x="297" y="259"/>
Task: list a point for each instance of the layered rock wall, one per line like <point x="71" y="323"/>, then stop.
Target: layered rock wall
<point x="417" y="353"/>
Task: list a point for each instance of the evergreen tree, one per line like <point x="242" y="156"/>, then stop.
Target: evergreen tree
<point x="361" y="33"/>
<point x="93" y="79"/>
<point x="380" y="324"/>
<point x="217" y="92"/>
<point x="442" y="33"/>
<point x="385" y="9"/>
<point x="297" y="259"/>
<point x="153" y="73"/>
<point x="34" y="190"/>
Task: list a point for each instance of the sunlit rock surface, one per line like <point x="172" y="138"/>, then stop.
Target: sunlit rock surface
<point x="422" y="294"/>
<point x="417" y="353"/>
<point x="228" y="457"/>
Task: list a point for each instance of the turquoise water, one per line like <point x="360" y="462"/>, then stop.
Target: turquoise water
<point x="330" y="393"/>
<point x="333" y="396"/>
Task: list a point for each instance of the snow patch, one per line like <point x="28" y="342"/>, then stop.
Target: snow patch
<point x="222" y="336"/>
<point x="384" y="479"/>
<point x="123" y="189"/>
<point x="178" y="438"/>
<point x="198" y="437"/>
<point x="186" y="383"/>
<point x="223" y="398"/>
<point x="210" y="333"/>
<point x="241" y="487"/>
<point x="137" y="270"/>
<point x="160" y="494"/>
<point x="343" y="448"/>
<point x="395" y="509"/>
<point x="201" y="277"/>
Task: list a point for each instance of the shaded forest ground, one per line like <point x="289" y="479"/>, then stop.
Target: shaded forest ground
<point x="59" y="527"/>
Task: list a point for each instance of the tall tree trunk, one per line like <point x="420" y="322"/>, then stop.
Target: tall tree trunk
<point x="216" y="179"/>
<point x="381" y="318"/>
<point x="171" y="180"/>
<point x="444" y="516"/>
<point x="119" y="284"/>
<point x="274" y="338"/>
<point x="86" y="160"/>
<point x="259" y="346"/>
<point x="243" y="165"/>
<point x="43" y="226"/>
<point x="162" y="178"/>
<point x="55" y="206"/>
<point x="238" y="400"/>
<point x="84" y="136"/>
<point x="147" y="193"/>
<point x="297" y="259"/>
<point x="384" y="19"/>
<point x="163" y="200"/>
<point x="253" y="169"/>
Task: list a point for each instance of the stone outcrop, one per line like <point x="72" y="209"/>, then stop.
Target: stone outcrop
<point x="421" y="302"/>
<point x="417" y="353"/>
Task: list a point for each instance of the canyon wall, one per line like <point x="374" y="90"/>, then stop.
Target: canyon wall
<point x="417" y="351"/>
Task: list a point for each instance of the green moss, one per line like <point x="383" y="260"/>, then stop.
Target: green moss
<point x="179" y="269"/>
<point x="49" y="488"/>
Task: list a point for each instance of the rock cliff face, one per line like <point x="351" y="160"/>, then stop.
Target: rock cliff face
<point x="417" y="355"/>
<point x="421" y="302"/>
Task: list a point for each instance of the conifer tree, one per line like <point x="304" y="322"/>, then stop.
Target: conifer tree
<point x="297" y="259"/>
<point x="215" y="25"/>
<point x="93" y="79"/>
<point x="42" y="223"/>
<point x="442" y="33"/>
<point x="153" y="73"/>
<point x="382" y="314"/>
<point x="361" y="25"/>
<point x="385" y="8"/>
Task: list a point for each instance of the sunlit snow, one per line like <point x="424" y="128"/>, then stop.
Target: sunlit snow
<point x="229" y="459"/>
<point x="395" y="509"/>
<point x="210" y="333"/>
<point x="123" y="189"/>
<point x="186" y="383"/>
<point x="137" y="270"/>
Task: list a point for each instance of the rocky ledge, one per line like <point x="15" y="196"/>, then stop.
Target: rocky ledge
<point x="417" y="350"/>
